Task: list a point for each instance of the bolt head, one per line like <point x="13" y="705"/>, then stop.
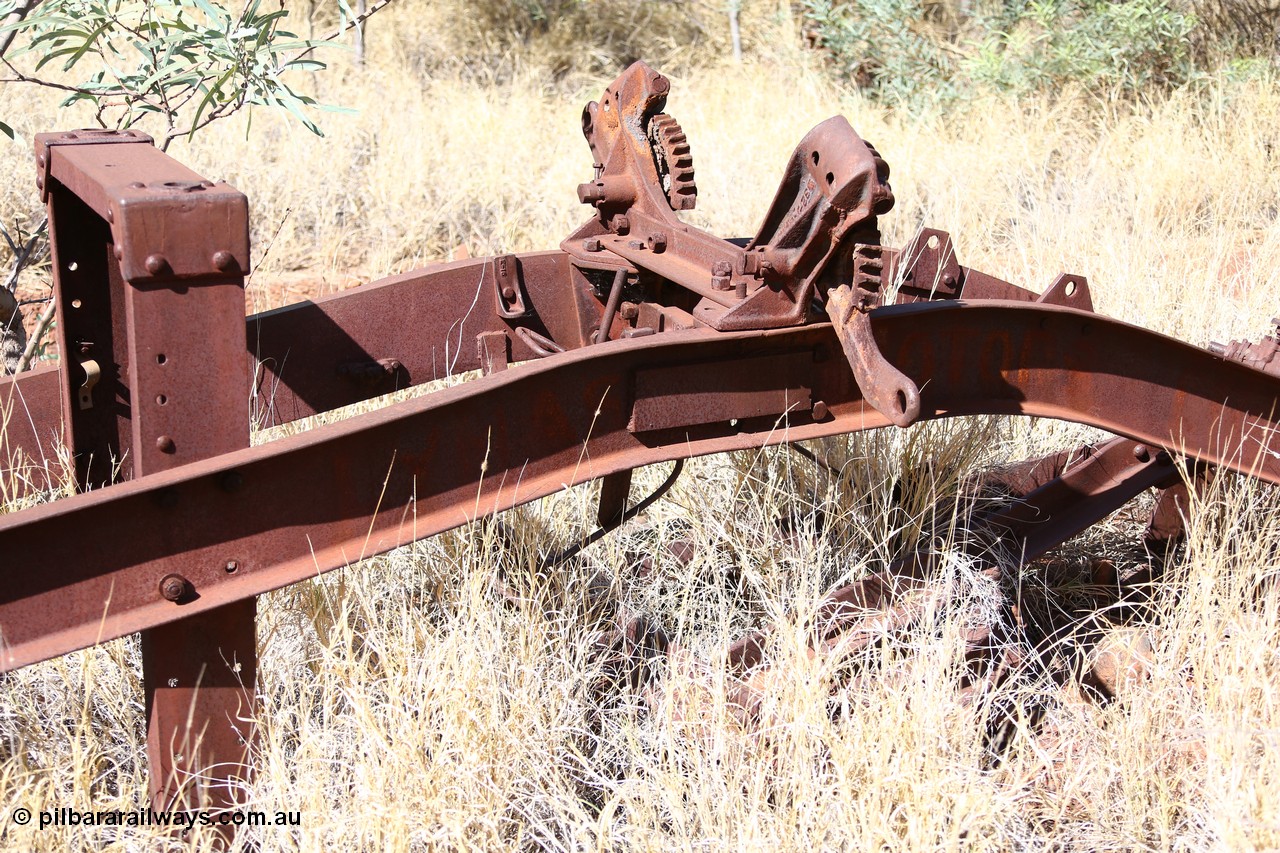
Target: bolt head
<point x="1141" y="453"/>
<point x="173" y="587"/>
<point x="820" y="411"/>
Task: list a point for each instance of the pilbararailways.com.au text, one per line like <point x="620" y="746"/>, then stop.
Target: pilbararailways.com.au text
<point x="51" y="818"/>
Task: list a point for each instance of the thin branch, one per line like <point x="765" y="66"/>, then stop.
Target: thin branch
<point x="19" y="12"/>
<point x="33" y="342"/>
<point x="19" y="77"/>
<point x="22" y="257"/>
<point x="350" y="25"/>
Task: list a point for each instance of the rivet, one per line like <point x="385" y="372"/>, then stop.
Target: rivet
<point x="165" y="444"/>
<point x="222" y="260"/>
<point x="1141" y="453"/>
<point x="155" y="264"/>
<point x="173" y="587"/>
<point x="137" y="185"/>
<point x="231" y="567"/>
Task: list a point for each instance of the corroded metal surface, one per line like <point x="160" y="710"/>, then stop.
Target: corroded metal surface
<point x="643" y="339"/>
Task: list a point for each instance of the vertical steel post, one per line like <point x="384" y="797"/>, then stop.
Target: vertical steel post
<point x="149" y="262"/>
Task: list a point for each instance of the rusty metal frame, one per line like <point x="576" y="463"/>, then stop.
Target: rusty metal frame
<point x="641" y="340"/>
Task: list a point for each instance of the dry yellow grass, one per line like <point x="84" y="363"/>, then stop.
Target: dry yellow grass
<point x="405" y="704"/>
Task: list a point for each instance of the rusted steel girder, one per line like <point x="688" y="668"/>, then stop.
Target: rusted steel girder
<point x="356" y="488"/>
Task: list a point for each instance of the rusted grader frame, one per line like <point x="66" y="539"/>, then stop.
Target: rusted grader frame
<point x="641" y="340"/>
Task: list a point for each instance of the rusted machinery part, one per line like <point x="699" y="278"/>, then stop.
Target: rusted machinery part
<point x="616" y="521"/>
<point x="365" y="485"/>
<point x="832" y="190"/>
<point x="1260" y="355"/>
<point x="1058" y="496"/>
<point x="144" y="267"/>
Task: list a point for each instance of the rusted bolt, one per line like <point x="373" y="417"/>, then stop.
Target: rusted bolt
<point x="592" y="193"/>
<point x="658" y="242"/>
<point x="165" y="444"/>
<point x="949" y="281"/>
<point x="508" y="292"/>
<point x="156" y="264"/>
<point x="820" y="412"/>
<point x="137" y="185"/>
<point x="231" y="481"/>
<point x="1141" y="453"/>
<point x="231" y="567"/>
<point x="635" y="244"/>
<point x="621" y="224"/>
<point x="70" y="136"/>
<point x="173" y="587"/>
<point x="222" y="260"/>
<point x="741" y="287"/>
<point x="591" y="244"/>
<point x="629" y="310"/>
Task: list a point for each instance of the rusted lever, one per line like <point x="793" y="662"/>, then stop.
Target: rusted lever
<point x="889" y="391"/>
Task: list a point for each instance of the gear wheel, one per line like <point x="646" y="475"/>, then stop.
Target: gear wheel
<point x="674" y="160"/>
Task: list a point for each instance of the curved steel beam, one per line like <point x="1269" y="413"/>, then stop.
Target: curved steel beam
<point x="258" y="519"/>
